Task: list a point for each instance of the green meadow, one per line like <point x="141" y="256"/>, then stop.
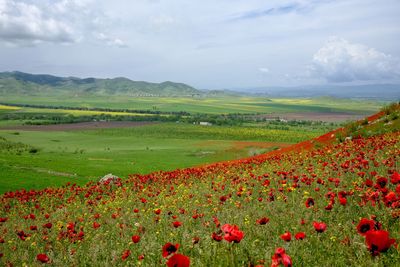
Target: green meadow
<point x="213" y="105"/>
<point x="37" y="159"/>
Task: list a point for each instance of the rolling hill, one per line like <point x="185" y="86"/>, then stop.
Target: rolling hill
<point x="25" y="84"/>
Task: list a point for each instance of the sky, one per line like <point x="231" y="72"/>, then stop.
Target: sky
<point x="209" y="44"/>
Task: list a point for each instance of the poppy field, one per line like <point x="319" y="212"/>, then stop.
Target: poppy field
<point x="322" y="202"/>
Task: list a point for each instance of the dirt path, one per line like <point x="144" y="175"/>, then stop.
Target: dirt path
<point x="80" y="126"/>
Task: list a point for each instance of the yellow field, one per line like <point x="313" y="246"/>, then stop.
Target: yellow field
<point x="3" y="107"/>
<point x="76" y="112"/>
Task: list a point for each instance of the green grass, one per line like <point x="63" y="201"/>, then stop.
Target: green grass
<point x="214" y="105"/>
<point x="187" y="131"/>
<point x="80" y="156"/>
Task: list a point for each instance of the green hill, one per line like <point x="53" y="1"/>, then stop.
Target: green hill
<point x="25" y="84"/>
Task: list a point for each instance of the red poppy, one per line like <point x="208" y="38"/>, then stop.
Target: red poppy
<point x="286" y="236"/>
<point x="365" y="225"/>
<point x="96" y="225"/>
<point x="48" y="225"/>
<point x="390" y="198"/>
<point x="126" y="254"/>
<point x="135" y="239"/>
<point x="223" y="198"/>
<point x="216" y="237"/>
<point x="300" y="236"/>
<point x="275" y="261"/>
<point x="71" y="226"/>
<point x="280" y="257"/>
<point x="22" y="235"/>
<point x="176" y="224"/>
<point x="43" y="258"/>
<point x="369" y="183"/>
<point x="329" y="206"/>
<point x="286" y="260"/>
<point x="178" y="260"/>
<point x="342" y="201"/>
<point x="280" y="251"/>
<point x="395" y="178"/>
<point x="320" y="227"/>
<point x="309" y="202"/>
<point x="169" y="249"/>
<point x="378" y="241"/>
<point x="262" y="221"/>
<point x="381" y="182"/>
<point x="232" y="233"/>
<point x="157" y="211"/>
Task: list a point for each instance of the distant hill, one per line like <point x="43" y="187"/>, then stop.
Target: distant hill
<point x="20" y="83"/>
<point x="389" y="92"/>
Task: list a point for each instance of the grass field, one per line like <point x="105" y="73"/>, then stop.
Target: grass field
<point x="214" y="105"/>
<point x="80" y="156"/>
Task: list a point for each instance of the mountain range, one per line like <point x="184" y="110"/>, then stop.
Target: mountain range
<point x="24" y="84"/>
<point x="20" y="83"/>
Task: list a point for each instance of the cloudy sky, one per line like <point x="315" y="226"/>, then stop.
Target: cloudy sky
<point x="210" y="44"/>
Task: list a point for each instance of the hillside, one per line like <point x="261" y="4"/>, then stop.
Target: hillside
<point x="25" y="84"/>
<point x="330" y="201"/>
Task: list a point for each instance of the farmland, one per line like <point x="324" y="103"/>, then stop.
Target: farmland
<point x="211" y="105"/>
<point x="323" y="201"/>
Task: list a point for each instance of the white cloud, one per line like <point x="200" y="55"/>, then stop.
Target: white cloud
<point x="264" y="70"/>
<point x="341" y="61"/>
<point x="111" y="41"/>
<point x="25" y="23"/>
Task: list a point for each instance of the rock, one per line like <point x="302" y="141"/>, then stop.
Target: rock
<point x="109" y="179"/>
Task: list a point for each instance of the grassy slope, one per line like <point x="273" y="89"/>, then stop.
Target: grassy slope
<point x="80" y="156"/>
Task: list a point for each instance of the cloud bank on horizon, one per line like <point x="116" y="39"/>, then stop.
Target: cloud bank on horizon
<point x="341" y="61"/>
<point x="208" y="44"/>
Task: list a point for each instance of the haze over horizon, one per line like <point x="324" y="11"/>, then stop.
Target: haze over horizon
<point x="207" y="44"/>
